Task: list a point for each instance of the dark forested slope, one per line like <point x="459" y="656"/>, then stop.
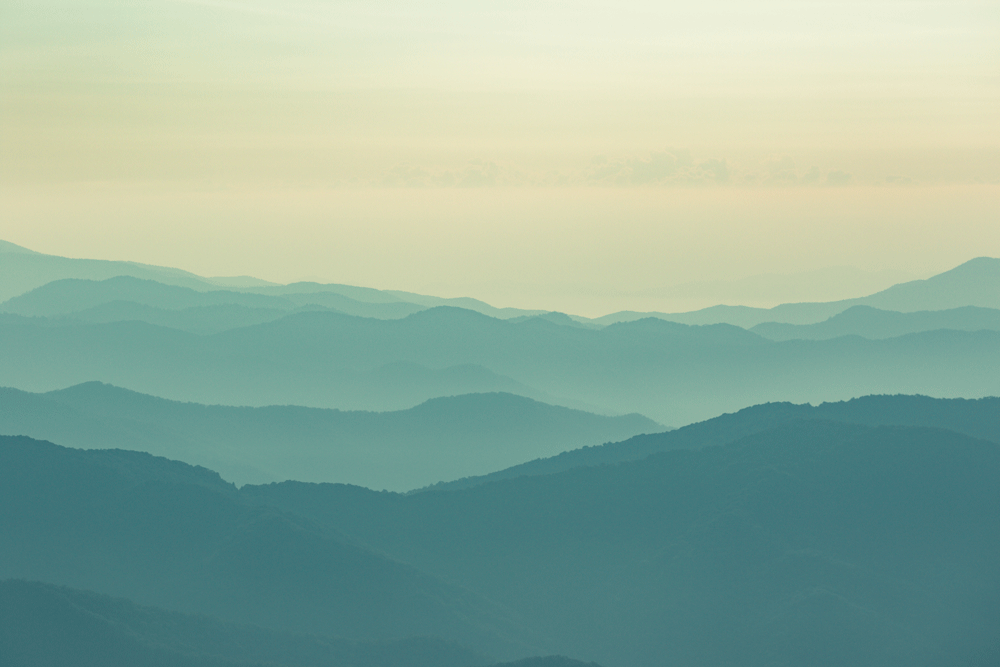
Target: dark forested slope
<point x="978" y="418"/>
<point x="42" y="625"/>
<point x="166" y="534"/>
<point x="811" y="543"/>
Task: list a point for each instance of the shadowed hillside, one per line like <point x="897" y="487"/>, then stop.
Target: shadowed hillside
<point x="976" y="418"/>
<point x="811" y="543"/>
<point x="442" y="439"/>
<point x="166" y="534"/>
<point x="43" y="625"/>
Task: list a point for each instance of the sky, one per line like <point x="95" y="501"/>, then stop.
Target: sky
<point x="585" y="156"/>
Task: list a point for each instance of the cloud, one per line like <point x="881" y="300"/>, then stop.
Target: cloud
<point x="407" y="176"/>
<point x="479" y="174"/>
<point x="473" y="174"/>
<point x="811" y="176"/>
<point x="838" y="178"/>
<point x="718" y="168"/>
<point x="781" y="170"/>
<point x="658" y="167"/>
<point x="669" y="167"/>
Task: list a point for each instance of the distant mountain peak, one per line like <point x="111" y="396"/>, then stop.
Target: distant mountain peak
<point x="976" y="264"/>
<point x="6" y="247"/>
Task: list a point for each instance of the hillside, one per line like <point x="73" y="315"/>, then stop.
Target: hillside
<point x="673" y="373"/>
<point x="22" y="271"/>
<point x="810" y="543"/>
<point x="165" y="534"/>
<point x="125" y="298"/>
<point x="975" y="283"/>
<point x="975" y="418"/>
<point x="442" y="439"/>
<point x="201" y="320"/>
<point x="42" y="625"/>
<point x="873" y="323"/>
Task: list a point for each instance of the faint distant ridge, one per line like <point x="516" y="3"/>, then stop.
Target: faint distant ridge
<point x="6" y="247"/>
<point x="875" y="324"/>
<point x="67" y="296"/>
<point x="23" y="270"/>
<point x="974" y="283"/>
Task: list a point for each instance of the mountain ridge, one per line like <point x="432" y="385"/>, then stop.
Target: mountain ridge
<point x="436" y="440"/>
<point x="977" y="418"/>
<point x="975" y="282"/>
<point x="128" y="524"/>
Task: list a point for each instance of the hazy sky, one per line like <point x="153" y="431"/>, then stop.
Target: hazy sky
<point x="585" y="156"/>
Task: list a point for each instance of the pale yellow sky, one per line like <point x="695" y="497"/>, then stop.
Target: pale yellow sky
<point x="584" y="156"/>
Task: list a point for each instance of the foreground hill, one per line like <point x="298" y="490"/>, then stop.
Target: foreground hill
<point x="673" y="373"/>
<point x="166" y="534"/>
<point x="975" y="418"/>
<point x="811" y="543"/>
<point x="42" y="625"/>
<point x="873" y="323"/>
<point x="442" y="439"/>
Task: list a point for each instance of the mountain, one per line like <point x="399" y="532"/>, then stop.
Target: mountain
<point x="42" y="625"/>
<point x="125" y="298"/>
<point x="9" y="248"/>
<point x="673" y="373"/>
<point x="809" y="542"/>
<point x="547" y="661"/>
<point x="745" y="317"/>
<point x="166" y="534"/>
<point x="62" y="297"/>
<point x="814" y="542"/>
<point x="975" y="418"/>
<point x="201" y="320"/>
<point x="974" y="283"/>
<point x="22" y="270"/>
<point x="442" y="439"/>
<point x="873" y="323"/>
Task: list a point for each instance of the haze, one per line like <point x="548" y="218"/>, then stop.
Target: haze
<point x="586" y="156"/>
